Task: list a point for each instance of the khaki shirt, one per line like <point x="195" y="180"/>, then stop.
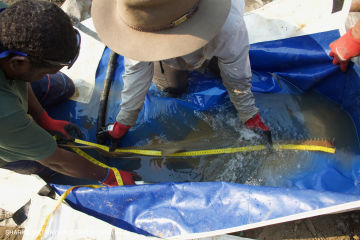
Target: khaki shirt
<point x="230" y="45"/>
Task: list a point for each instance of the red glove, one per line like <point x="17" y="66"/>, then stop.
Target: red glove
<point x="64" y="130"/>
<point x="343" y="49"/>
<point x="128" y="178"/>
<point x="256" y="123"/>
<point x="117" y="130"/>
<point x="258" y="126"/>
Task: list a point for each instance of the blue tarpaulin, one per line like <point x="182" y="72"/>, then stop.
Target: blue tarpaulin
<point x="175" y="206"/>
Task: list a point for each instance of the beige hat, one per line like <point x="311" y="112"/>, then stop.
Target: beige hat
<point x="151" y="30"/>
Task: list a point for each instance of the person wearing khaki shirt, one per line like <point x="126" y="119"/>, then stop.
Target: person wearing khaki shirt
<point x="184" y="37"/>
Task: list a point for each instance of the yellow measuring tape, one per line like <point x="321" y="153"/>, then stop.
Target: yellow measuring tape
<point x="305" y="148"/>
<point x="278" y="147"/>
<point x="93" y="160"/>
<point x="107" y="149"/>
<point x="62" y="198"/>
<point x="67" y="192"/>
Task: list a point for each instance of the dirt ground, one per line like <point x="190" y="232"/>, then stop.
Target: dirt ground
<point x="343" y="226"/>
<point x="57" y="2"/>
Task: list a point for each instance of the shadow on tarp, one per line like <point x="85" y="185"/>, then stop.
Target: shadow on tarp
<point x="171" y="209"/>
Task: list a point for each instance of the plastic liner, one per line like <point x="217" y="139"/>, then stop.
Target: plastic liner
<point x="175" y="209"/>
<point x="172" y="209"/>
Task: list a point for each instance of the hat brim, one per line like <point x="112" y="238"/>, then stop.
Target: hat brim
<point x="183" y="39"/>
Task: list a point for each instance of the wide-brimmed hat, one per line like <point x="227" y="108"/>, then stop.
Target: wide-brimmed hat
<point x="151" y="30"/>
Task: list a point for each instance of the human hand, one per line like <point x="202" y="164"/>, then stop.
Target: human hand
<point x="64" y="131"/>
<point x="113" y="131"/>
<point x="128" y="178"/>
<point x="256" y="124"/>
<point x="343" y="49"/>
<point x="117" y="130"/>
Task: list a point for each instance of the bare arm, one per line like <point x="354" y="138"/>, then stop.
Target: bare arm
<point x="72" y="164"/>
<point x="63" y="161"/>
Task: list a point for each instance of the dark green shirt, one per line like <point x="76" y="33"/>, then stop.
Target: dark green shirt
<point x="20" y="137"/>
<point x="3" y="5"/>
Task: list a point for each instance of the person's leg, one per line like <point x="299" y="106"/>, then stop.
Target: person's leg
<point x="170" y="80"/>
<point x="30" y="167"/>
<point x="175" y="81"/>
<point x="212" y="67"/>
<point x="53" y="89"/>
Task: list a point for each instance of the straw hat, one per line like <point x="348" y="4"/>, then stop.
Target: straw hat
<point x="151" y="30"/>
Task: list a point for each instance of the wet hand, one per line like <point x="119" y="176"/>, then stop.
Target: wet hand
<point x="343" y="49"/>
<point x="256" y="124"/>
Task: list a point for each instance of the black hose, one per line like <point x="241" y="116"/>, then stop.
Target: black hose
<point x="105" y="94"/>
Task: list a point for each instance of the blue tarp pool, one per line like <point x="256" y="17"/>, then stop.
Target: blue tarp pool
<point x="184" y="198"/>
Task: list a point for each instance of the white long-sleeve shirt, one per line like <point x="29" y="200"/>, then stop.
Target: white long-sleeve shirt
<point x="230" y="45"/>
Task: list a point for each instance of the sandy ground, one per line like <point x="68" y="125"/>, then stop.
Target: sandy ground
<point x="344" y="226"/>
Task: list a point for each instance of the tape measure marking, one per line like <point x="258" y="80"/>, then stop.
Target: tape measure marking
<point x="93" y="160"/>
<point x="157" y="153"/>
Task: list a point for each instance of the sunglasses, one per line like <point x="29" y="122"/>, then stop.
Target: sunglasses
<point x="69" y="63"/>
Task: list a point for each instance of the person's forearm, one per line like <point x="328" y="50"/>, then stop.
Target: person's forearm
<point x="137" y="80"/>
<point x="73" y="165"/>
<point x="35" y="107"/>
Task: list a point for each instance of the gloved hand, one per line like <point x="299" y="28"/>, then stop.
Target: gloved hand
<point x="259" y="127"/>
<point x="128" y="178"/>
<point x="64" y="131"/>
<point x="343" y="49"/>
<point x="115" y="131"/>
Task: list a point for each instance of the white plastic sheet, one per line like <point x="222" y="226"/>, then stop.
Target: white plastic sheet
<point x="290" y="18"/>
<point x="84" y="70"/>
<point x="67" y="223"/>
<point x="17" y="189"/>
